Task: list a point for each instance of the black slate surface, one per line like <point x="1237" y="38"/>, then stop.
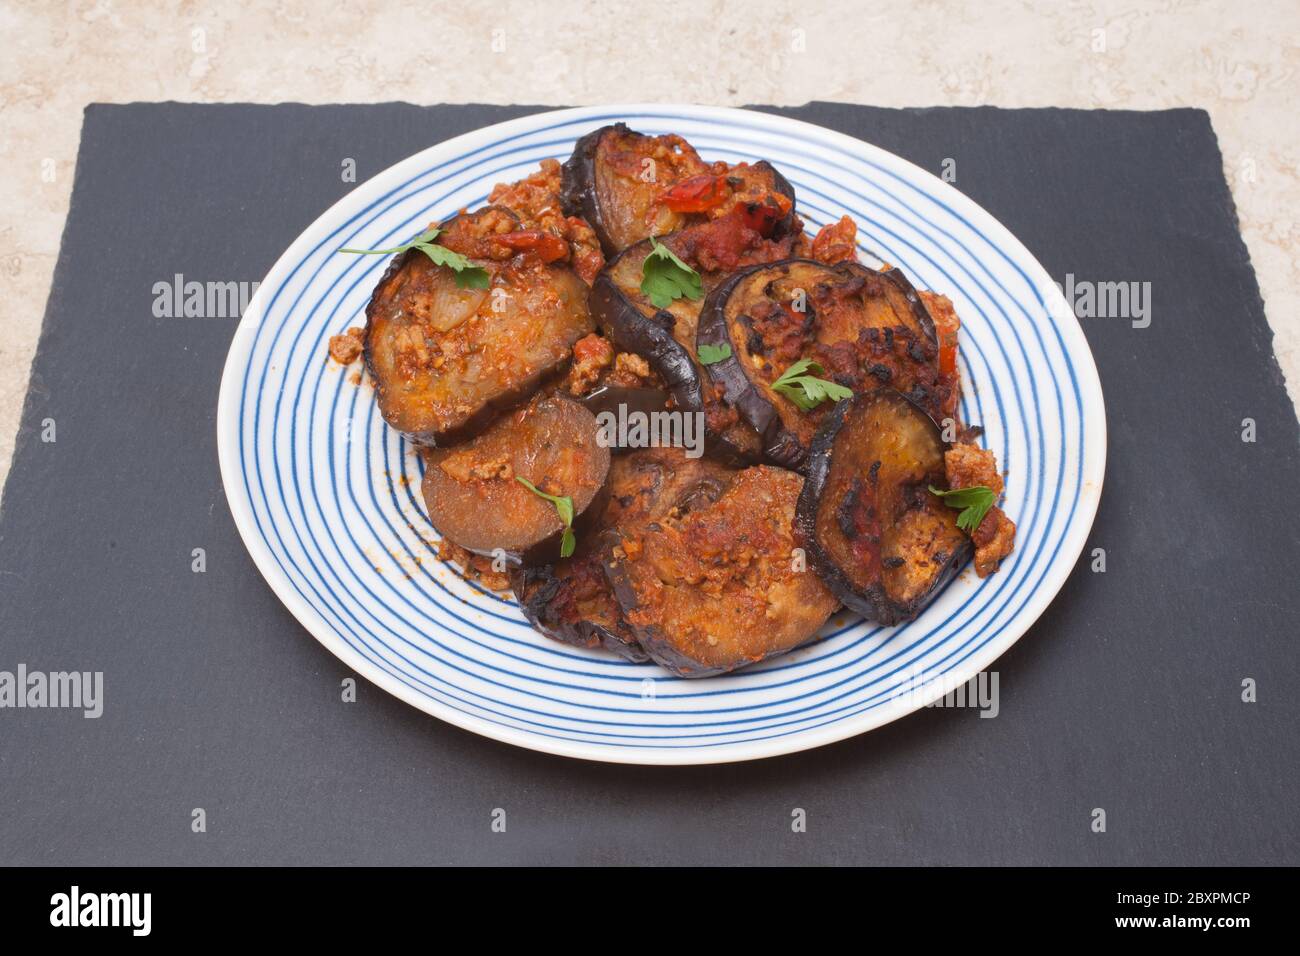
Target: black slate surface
<point x="1125" y="696"/>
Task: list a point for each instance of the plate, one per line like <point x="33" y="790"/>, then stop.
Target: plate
<point x="327" y="500"/>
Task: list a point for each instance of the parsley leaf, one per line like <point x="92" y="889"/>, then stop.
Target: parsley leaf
<point x="665" y="278"/>
<point x="713" y="354"/>
<point x="808" y="391"/>
<point x="563" y="507"/>
<point x="975" y="503"/>
<point x="467" y="276"/>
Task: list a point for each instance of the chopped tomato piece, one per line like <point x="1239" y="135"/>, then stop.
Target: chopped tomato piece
<point x="763" y="216"/>
<point x="946" y="326"/>
<point x="696" y="194"/>
<point x="837" y="242"/>
<point x="548" y="246"/>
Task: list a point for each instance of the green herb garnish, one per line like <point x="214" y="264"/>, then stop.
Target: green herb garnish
<point x="467" y="276"/>
<point x="712" y="354"/>
<point x="564" y="507"/>
<point x="665" y="278"/>
<point x="808" y="391"/>
<point x="975" y="503"/>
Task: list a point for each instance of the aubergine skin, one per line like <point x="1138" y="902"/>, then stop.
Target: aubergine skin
<point x="637" y="326"/>
<point x="536" y="587"/>
<point x="786" y="431"/>
<point x="612" y="398"/>
<point x="786" y="225"/>
<point x="737" y="389"/>
<point x="651" y="337"/>
<point x="578" y="186"/>
<point x="820" y="516"/>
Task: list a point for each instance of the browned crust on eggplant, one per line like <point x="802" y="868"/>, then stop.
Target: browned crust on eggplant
<point x="582" y="184"/>
<point x="571" y="599"/>
<point x="718" y="587"/>
<point x="883" y="337"/>
<point x="571" y="602"/>
<point x="475" y="500"/>
<point x="578" y="185"/>
<point x="875" y="534"/>
<point x="666" y="338"/>
<point x="445" y="362"/>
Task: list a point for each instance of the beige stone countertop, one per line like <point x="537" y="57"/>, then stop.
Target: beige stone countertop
<point x="1239" y="61"/>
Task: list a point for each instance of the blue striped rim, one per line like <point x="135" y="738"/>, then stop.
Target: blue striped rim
<point x="364" y="629"/>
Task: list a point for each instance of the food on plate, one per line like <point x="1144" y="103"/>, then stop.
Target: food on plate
<point x="446" y="356"/>
<point x="663" y="332"/>
<point x="638" y="281"/>
<point x="536" y="201"/>
<point x="571" y="599"/>
<point x="970" y="467"/>
<point x="504" y="493"/>
<point x="788" y="327"/>
<point x="720" y="585"/>
<point x="877" y="534"/>
<point x="346" y="347"/>
<point x="630" y="186"/>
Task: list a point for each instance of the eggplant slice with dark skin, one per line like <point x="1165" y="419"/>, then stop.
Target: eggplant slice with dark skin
<point x="474" y="496"/>
<point x="866" y="329"/>
<point x="875" y="533"/>
<point x="445" y="360"/>
<point x="629" y="186"/>
<point x="571" y="600"/>
<point x="718" y="586"/>
<point x="666" y="339"/>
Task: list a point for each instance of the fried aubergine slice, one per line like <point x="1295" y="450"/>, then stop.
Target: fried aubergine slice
<point x="446" y="360"/>
<point x="720" y="586"/>
<point x="571" y="600"/>
<point x="863" y="328"/>
<point x="630" y="186"/>
<point x="883" y="543"/>
<point x="665" y="337"/>
<point x="475" y="496"/>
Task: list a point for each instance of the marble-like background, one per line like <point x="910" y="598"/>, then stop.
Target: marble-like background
<point x="1238" y="60"/>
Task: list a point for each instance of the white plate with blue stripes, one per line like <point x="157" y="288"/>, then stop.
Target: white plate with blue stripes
<point x="326" y="496"/>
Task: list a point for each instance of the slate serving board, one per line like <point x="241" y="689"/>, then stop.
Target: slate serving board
<point x="1125" y="696"/>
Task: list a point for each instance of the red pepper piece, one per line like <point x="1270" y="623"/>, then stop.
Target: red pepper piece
<point x="697" y="194"/>
<point x="548" y="246"/>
